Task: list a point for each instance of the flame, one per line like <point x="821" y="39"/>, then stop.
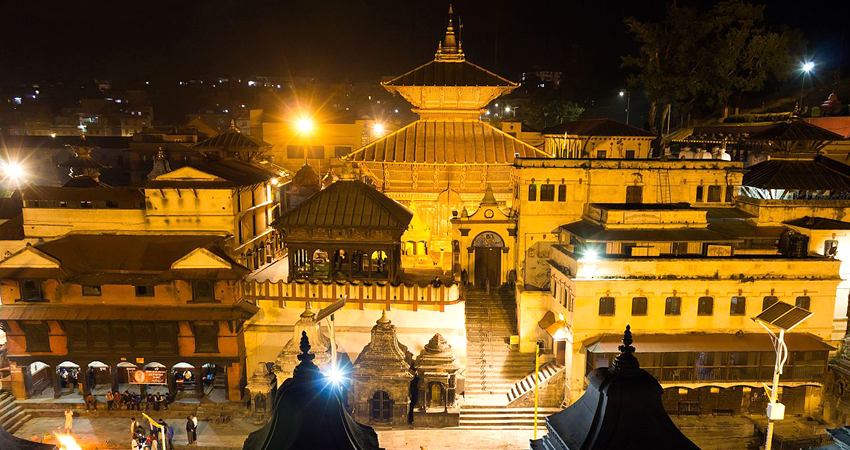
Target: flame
<point x="67" y="442"/>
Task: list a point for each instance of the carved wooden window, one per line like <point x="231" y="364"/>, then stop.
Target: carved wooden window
<point x="381" y="407"/>
<point x="532" y="193"/>
<point x="37" y="337"/>
<point x="639" y="306"/>
<point x="206" y="338"/>
<point x="606" y="306"/>
<point x="203" y="291"/>
<point x="673" y="306"/>
<point x="705" y="306"/>
<point x="738" y="306"/>
<point x="32" y="291"/>
<point x="804" y="302"/>
<point x="547" y="193"/>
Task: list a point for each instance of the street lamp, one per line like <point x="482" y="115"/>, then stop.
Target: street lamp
<point x="806" y="68"/>
<point x="628" y="95"/>
<point x="304" y="125"/>
<point x="785" y="317"/>
<point x="12" y="170"/>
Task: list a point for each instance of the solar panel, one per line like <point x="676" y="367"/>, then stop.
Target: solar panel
<point x="783" y="315"/>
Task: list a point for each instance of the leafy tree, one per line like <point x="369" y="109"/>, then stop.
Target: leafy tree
<point x="702" y="59"/>
<point x="546" y="110"/>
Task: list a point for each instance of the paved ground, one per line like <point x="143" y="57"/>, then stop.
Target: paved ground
<point x="114" y="433"/>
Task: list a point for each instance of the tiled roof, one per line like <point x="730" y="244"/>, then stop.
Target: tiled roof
<point x="449" y="73"/>
<point x="446" y="142"/>
<point x="597" y="127"/>
<point x="347" y="204"/>
<point x="234" y="172"/>
<point x="232" y="139"/>
<point x="822" y="173"/>
<point x="796" y="131"/>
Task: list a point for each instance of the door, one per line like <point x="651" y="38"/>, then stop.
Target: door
<point x="488" y="265"/>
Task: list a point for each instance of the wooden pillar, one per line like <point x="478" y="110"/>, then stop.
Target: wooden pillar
<point x="199" y="385"/>
<point x="169" y="379"/>
<point x="115" y="370"/>
<point x="57" y="384"/>
<point x="83" y="379"/>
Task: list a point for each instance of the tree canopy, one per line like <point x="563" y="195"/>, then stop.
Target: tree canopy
<point x="703" y="58"/>
<point x="549" y="108"/>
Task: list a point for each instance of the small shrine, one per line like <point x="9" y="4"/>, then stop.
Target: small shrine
<point x="287" y="360"/>
<point x="308" y="413"/>
<point x="380" y="381"/>
<point x="347" y="231"/>
<point x="436" y="385"/>
<point x="621" y="409"/>
<point x="261" y="387"/>
<point x="305" y="183"/>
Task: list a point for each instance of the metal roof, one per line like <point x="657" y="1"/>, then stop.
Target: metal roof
<point x="795" y="131"/>
<point x="818" y="223"/>
<point x="446" y="142"/>
<point x="592" y="232"/>
<point x="822" y="173"/>
<point x="232" y="139"/>
<point x="119" y="195"/>
<point x="597" y="127"/>
<point x="707" y="342"/>
<point x="347" y="204"/>
<point x="242" y="310"/>
<point x="449" y="73"/>
<point x="234" y="173"/>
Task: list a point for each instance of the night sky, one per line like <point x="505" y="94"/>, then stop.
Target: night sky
<point x="356" y="40"/>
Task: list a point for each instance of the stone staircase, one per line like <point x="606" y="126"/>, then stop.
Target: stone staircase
<point x="493" y="367"/>
<point x="12" y="416"/>
<point x="206" y="411"/>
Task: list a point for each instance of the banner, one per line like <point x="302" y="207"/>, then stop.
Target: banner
<point x="147" y="376"/>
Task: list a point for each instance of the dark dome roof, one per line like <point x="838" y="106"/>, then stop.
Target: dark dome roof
<point x="306" y="176"/>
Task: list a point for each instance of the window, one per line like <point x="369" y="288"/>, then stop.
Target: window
<point x="738" y="306"/>
<point x="37" y="337"/>
<point x="206" y="338"/>
<point x="31" y="291"/>
<point x="705" y="306"/>
<point x="700" y="193"/>
<point x="294" y="151"/>
<point x="91" y="291"/>
<point x="714" y="193"/>
<point x="203" y="291"/>
<point x="85" y="205"/>
<point x="768" y="302"/>
<point x="673" y="306"/>
<point x="532" y="192"/>
<point x="601" y="154"/>
<point x="630" y="154"/>
<point x="562" y="193"/>
<point x="606" y="306"/>
<point x="381" y="407"/>
<point x="144" y="291"/>
<point x="547" y="193"/>
<point x="317" y="152"/>
<point x="341" y="150"/>
<point x="830" y="247"/>
<point x="634" y="194"/>
<point x="804" y="302"/>
<point x="639" y="305"/>
<point x="730" y="194"/>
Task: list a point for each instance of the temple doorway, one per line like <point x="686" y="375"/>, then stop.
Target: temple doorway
<point x="488" y="259"/>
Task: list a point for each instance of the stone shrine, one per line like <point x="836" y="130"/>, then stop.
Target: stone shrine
<point x="436" y="385"/>
<point x="380" y="381"/>
<point x="288" y="357"/>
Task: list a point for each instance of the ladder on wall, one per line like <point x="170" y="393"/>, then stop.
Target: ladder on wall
<point x="664" y="195"/>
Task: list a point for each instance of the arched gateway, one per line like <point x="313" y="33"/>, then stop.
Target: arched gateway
<point x="488" y="258"/>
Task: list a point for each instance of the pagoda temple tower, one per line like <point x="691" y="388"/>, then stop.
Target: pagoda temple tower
<point x="445" y="160"/>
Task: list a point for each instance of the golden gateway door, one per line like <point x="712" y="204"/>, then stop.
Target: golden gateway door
<point x="488" y="259"/>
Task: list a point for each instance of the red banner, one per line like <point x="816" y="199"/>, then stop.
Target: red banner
<point x="147" y="376"/>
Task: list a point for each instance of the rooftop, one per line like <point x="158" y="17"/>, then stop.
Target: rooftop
<point x="597" y="127"/>
<point x="821" y="173"/>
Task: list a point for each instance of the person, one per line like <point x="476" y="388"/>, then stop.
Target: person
<point x="69" y="420"/>
<point x="190" y="430"/>
<point x="169" y="434"/>
<point x="168" y="399"/>
<point x="91" y="402"/>
<point x="134" y="444"/>
<point x="134" y="427"/>
<point x="116" y="398"/>
<point x="109" y="402"/>
<point x="157" y="401"/>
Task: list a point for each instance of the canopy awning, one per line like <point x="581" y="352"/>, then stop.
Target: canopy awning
<point x="707" y="342"/>
<point x="552" y="324"/>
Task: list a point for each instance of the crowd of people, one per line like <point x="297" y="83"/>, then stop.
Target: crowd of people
<point x="132" y="401"/>
<point x="150" y="437"/>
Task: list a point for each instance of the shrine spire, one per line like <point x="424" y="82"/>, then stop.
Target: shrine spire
<point x="450" y="49"/>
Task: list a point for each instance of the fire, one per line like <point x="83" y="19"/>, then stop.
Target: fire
<point x="67" y="442"/>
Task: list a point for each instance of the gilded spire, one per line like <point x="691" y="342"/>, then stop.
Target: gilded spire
<point x="450" y="48"/>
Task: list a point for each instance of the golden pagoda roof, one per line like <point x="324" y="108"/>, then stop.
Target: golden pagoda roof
<point x="455" y="141"/>
<point x="449" y="73"/>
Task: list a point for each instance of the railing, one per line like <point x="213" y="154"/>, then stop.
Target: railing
<point x="360" y="294"/>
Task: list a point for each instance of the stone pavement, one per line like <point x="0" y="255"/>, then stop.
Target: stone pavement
<point x="114" y="433"/>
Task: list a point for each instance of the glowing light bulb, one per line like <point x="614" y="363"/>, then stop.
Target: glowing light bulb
<point x="378" y="128"/>
<point x="335" y="376"/>
<point x="808" y="66"/>
<point x="12" y="170"/>
<point x="304" y="125"/>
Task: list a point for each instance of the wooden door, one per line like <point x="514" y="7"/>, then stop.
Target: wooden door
<point x="488" y="265"/>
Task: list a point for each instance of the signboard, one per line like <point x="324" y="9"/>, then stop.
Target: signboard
<point x="719" y="250"/>
<point x="147" y="376"/>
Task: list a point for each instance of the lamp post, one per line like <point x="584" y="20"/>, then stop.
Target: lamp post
<point x="538" y="347"/>
<point x="628" y="95"/>
<point x="805" y="69"/>
<point x="785" y="317"/>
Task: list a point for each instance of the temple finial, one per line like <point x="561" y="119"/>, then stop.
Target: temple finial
<point x="449" y="48"/>
<point x="305" y="355"/>
<point x="384" y="318"/>
<point x="626" y="363"/>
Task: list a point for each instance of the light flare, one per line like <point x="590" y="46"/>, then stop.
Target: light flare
<point x="67" y="442"/>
